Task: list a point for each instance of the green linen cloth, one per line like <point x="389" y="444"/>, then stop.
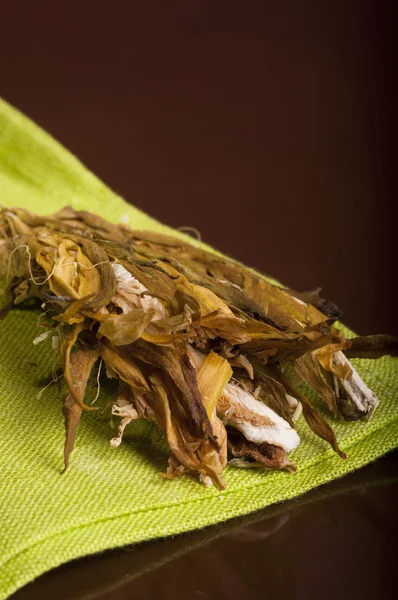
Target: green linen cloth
<point x="109" y="498"/>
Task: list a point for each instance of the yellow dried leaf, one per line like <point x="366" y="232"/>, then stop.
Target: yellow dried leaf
<point x="212" y="377"/>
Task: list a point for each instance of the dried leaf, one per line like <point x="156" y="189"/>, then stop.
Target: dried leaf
<point x="309" y="370"/>
<point x="81" y="364"/>
<point x="326" y="307"/>
<point x="204" y="459"/>
<point x="124" y="366"/>
<point x="243" y="362"/>
<point x="126" y="329"/>
<point x="313" y="417"/>
<point x="326" y="354"/>
<point x="273" y="394"/>
<point x="212" y="378"/>
<point x="372" y="346"/>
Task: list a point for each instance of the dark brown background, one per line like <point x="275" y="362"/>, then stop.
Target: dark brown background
<point x="271" y="128"/>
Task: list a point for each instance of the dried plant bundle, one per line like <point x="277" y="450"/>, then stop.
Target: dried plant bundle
<point x="198" y="344"/>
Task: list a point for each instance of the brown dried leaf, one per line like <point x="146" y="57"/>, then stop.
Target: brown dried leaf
<point x="309" y="369"/>
<point x="313" y="417"/>
<point x="81" y="364"/>
<point x="66" y="349"/>
<point x="182" y="372"/>
<point x="198" y="456"/>
<point x="273" y="394"/>
<point x="124" y="366"/>
<point x="372" y="346"/>
<point x="326" y="307"/>
<point x="241" y="361"/>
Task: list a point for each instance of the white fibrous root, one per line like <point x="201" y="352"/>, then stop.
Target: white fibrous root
<point x="354" y="389"/>
<point x="128" y="413"/>
<point x="258" y="423"/>
<point x="240" y="409"/>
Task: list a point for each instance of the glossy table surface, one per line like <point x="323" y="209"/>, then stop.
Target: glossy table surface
<point x="270" y="128"/>
<point x="338" y="541"/>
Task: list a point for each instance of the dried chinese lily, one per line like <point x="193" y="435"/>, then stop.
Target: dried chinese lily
<point x="195" y="343"/>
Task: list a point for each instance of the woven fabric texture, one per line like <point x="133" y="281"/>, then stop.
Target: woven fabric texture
<point x="109" y="498"/>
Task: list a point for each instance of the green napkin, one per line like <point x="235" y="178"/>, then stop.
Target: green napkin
<point x="109" y="498"/>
